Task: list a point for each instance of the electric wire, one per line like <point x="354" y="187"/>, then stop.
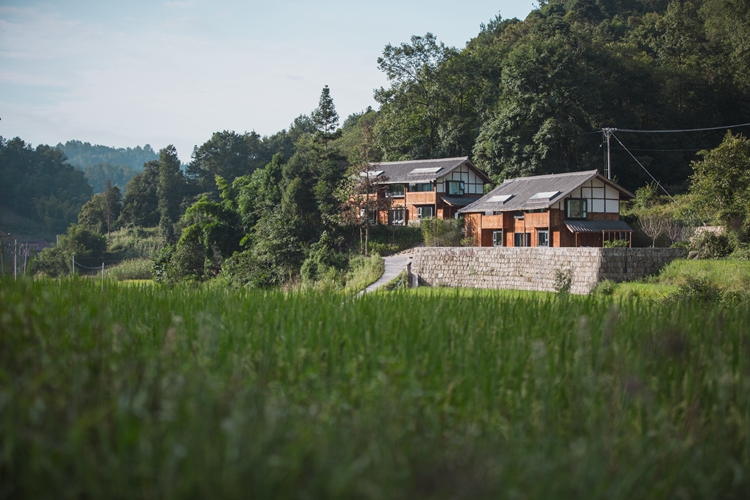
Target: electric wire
<point x="644" y="168"/>
<point x="681" y="130"/>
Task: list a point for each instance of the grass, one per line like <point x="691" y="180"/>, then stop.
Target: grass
<point x="363" y="271"/>
<point x="727" y="275"/>
<point x="150" y="392"/>
<point x="131" y="269"/>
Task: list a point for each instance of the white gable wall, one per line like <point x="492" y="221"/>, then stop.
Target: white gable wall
<point x="473" y="184"/>
<point x="601" y="197"/>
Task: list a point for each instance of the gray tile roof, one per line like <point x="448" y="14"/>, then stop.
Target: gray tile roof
<point x="403" y="172"/>
<point x="518" y="194"/>
<point x="458" y="201"/>
<point x="597" y="226"/>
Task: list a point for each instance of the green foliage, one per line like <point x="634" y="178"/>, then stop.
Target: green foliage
<point x="699" y="290"/>
<point x="101" y="213"/>
<point x="386" y="240"/>
<point x="119" y="175"/>
<point x="710" y="245"/>
<point x="563" y="280"/>
<point x="83" y="155"/>
<point x="616" y="243"/>
<point x="229" y="155"/>
<point x="442" y="232"/>
<point x="721" y="182"/>
<point x="363" y="271"/>
<point x="217" y="393"/>
<point x="131" y="269"/>
<point x="87" y="246"/>
<point x="324" y="117"/>
<point x="140" y="203"/>
<point x="39" y="183"/>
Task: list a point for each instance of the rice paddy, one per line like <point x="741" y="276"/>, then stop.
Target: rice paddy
<point x="150" y="392"/>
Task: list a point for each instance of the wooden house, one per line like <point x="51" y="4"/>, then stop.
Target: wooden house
<point x="580" y="209"/>
<point x="419" y="189"/>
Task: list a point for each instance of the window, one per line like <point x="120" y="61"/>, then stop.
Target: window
<point x="373" y="215"/>
<point x="421" y="187"/>
<point x="396" y="217"/>
<point x="518" y="215"/>
<point x="542" y="238"/>
<point x="425" y="212"/>
<point x="395" y="191"/>
<point x="455" y="188"/>
<point x="576" y="209"/>
<point x="522" y="239"/>
<point x="497" y="238"/>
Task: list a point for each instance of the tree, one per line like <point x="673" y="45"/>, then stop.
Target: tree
<point x="363" y="192"/>
<point x="653" y="226"/>
<point x="228" y="155"/>
<point x="721" y="181"/>
<point x="101" y="212"/>
<point x="169" y="191"/>
<point x="417" y="108"/>
<point x="141" y="203"/>
<point x="325" y="117"/>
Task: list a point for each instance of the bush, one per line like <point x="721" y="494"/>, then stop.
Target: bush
<point x="563" y="280"/>
<point x="606" y="287"/>
<point x="710" y="245"/>
<point x="363" y="271"/>
<point x="442" y="232"/>
<point x="248" y="269"/>
<point x="616" y="244"/>
<point x="52" y="262"/>
<point x="387" y="240"/>
<point x="700" y="290"/>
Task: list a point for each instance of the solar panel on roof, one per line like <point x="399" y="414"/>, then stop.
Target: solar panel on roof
<point x="372" y="173"/>
<point x="545" y="195"/>
<point x="428" y="170"/>
<point x="502" y="198"/>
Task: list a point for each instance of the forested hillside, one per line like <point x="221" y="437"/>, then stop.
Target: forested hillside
<point x="528" y="97"/>
<point x="521" y="98"/>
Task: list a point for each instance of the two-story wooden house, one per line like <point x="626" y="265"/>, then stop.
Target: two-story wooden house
<point x="580" y="209"/>
<point x="420" y="189"/>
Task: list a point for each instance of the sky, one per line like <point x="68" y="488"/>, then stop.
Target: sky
<point x="124" y="74"/>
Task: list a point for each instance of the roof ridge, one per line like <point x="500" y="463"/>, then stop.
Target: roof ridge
<point x="462" y="158"/>
<point x="546" y="176"/>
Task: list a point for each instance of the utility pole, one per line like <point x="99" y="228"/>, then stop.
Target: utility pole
<point x="607" y="159"/>
<point x="15" y="259"/>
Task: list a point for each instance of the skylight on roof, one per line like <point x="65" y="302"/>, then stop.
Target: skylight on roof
<point x="428" y="170"/>
<point x="545" y="195"/>
<point x="372" y="173"/>
<point x="502" y="198"/>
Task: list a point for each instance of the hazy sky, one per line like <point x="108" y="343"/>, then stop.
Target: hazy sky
<point x="136" y="72"/>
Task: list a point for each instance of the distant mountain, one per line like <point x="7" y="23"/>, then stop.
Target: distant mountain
<point x="84" y="154"/>
<point x="100" y="163"/>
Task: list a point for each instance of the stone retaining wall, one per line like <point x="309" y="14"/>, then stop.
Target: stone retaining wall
<point x="534" y="268"/>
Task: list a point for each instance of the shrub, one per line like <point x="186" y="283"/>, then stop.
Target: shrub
<point x="711" y="245"/>
<point x="563" y="280"/>
<point x="442" y="232"/>
<point x="700" y="290"/>
<point x="616" y="243"/>
<point x="606" y="287"/>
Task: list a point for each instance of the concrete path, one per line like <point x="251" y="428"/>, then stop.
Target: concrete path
<point x="394" y="265"/>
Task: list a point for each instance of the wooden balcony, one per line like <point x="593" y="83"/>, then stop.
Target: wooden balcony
<point x="492" y="221"/>
<point x="423" y="198"/>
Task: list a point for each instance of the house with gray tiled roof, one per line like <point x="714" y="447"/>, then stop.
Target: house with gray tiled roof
<point x="427" y="188"/>
<point x="558" y="210"/>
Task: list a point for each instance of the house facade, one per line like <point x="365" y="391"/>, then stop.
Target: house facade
<point x="580" y="209"/>
<point x="420" y="189"/>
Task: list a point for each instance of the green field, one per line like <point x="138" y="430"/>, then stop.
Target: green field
<point x="149" y="392"/>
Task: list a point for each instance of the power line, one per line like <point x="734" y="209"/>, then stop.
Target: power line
<point x="675" y="131"/>
<point x="644" y="168"/>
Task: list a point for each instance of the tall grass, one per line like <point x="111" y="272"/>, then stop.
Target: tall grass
<point x="203" y="392"/>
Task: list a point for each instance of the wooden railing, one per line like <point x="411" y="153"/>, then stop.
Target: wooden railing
<point x="423" y="198"/>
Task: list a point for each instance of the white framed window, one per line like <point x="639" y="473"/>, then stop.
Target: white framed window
<point x="497" y="238"/>
<point x="425" y="212"/>
<point x="455" y="188"/>
<point x="521" y="239"/>
<point x="576" y="208"/>
<point x="396" y="217"/>
<point x="542" y="238"/>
